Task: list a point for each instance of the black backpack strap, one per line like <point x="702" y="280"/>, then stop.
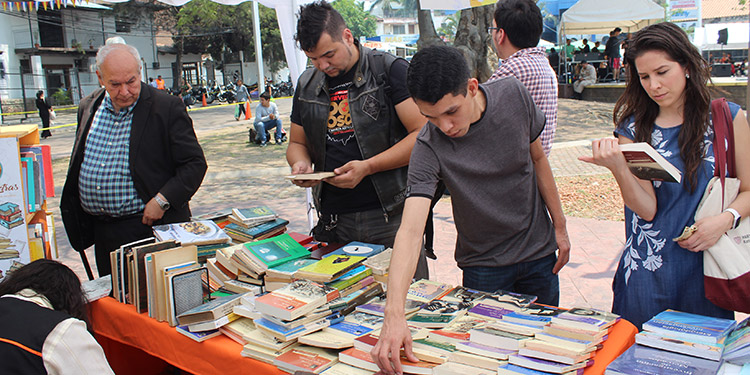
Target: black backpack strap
<point x="380" y="67"/>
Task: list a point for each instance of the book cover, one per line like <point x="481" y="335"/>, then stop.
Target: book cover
<point x="586" y="318"/>
<point x="458" y="330"/>
<point x="648" y="164"/>
<point x="544" y="365"/>
<point x="358" y="358"/>
<point x="187" y="290"/>
<point x="254" y="214"/>
<point x="198" y="336"/>
<point x="276" y="250"/>
<point x="210" y="311"/>
<point x="692" y="327"/>
<point x="329" y="268"/>
<point x="488" y="312"/>
<point x="426" y="290"/>
<point x="294" y="300"/>
<point x="287" y="270"/>
<point x="640" y="359"/>
<point x="496" y="338"/>
<point x="484" y="350"/>
<point x="517" y="328"/>
<point x="509" y="300"/>
<point x="379" y="263"/>
<point x="291" y="334"/>
<point x="570" y="359"/>
<point x="511" y="369"/>
<point x="204" y="232"/>
<point x="264" y="354"/>
<point x="307" y="359"/>
<point x="377" y="306"/>
<point x="361" y="249"/>
<point x="342" y="334"/>
<point x="161" y="261"/>
<point x="700" y="350"/>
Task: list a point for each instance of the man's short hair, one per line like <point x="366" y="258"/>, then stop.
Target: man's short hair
<point x="315" y="19"/>
<point x="105" y="50"/>
<point x="584" y="62"/>
<point x="437" y="71"/>
<point x="617" y="29"/>
<point x="265" y="95"/>
<point x="522" y="21"/>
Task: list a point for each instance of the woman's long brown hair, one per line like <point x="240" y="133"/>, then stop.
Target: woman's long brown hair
<point x="672" y="40"/>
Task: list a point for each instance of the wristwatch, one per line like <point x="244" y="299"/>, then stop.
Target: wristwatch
<point x="164" y="204"/>
<point x="736" y="215"/>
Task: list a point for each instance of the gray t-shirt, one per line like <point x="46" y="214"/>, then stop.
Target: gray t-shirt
<point x="499" y="213"/>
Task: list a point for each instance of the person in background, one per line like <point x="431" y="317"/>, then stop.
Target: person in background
<point x="267" y="118"/>
<point x="136" y="161"/>
<point x="152" y="83"/>
<point x="554" y="59"/>
<point x="45" y="327"/>
<point x="351" y="115"/>
<point x="44" y="113"/>
<point x="587" y="76"/>
<point x="596" y="47"/>
<point x="612" y="52"/>
<point x="241" y="96"/>
<point x="585" y="47"/>
<point x="160" y="83"/>
<point x="506" y="238"/>
<point x="666" y="104"/>
<point x="569" y="50"/>
<point x="517" y="27"/>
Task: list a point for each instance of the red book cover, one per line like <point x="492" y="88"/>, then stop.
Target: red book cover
<point x="49" y="180"/>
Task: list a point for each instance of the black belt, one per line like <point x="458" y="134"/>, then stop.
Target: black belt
<point x="114" y="219"/>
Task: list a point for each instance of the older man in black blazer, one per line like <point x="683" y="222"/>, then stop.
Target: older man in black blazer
<point x="136" y="161"/>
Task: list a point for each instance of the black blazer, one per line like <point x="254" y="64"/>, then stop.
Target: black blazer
<point x="164" y="157"/>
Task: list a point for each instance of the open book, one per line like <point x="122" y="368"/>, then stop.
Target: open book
<point x="647" y="164"/>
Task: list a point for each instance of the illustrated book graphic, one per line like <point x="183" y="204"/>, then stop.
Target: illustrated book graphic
<point x="204" y="232"/>
<point x="647" y="164"/>
<point x="14" y="247"/>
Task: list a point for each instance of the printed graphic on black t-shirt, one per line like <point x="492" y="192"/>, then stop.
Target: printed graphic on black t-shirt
<point x="342" y="147"/>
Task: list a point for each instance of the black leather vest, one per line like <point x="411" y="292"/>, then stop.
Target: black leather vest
<point x="376" y="124"/>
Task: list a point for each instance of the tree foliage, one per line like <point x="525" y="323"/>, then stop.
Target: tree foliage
<point x="361" y="23"/>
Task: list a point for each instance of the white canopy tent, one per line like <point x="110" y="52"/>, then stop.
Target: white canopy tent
<point x="602" y="16"/>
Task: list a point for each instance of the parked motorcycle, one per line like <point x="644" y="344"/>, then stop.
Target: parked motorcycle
<point x="282" y="89"/>
<point x="228" y="94"/>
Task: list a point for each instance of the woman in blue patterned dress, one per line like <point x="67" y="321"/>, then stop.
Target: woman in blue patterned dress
<point x="666" y="104"/>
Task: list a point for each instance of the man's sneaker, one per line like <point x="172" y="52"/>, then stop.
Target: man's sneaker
<point x="236" y="118"/>
<point x="263" y="144"/>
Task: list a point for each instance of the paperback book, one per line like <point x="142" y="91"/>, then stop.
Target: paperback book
<point x="690" y="327"/>
<point x="298" y="298"/>
<point x="647" y="164"/>
<point x="275" y="250"/>
<point x="329" y="268"/>
<point x="640" y="359"/>
<point x="204" y="232"/>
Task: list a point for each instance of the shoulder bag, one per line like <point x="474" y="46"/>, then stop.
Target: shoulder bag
<point x="726" y="265"/>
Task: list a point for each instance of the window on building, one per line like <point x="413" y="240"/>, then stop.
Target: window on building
<point x="412" y="29"/>
<point x="122" y="25"/>
<point x="399" y="29"/>
<point x="25" y="66"/>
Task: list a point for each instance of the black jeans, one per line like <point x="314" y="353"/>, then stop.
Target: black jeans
<point x="111" y="232"/>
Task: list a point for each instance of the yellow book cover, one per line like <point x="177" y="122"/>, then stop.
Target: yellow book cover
<point x="329" y="268"/>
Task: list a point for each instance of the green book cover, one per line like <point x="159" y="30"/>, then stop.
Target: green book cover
<point x="277" y="250"/>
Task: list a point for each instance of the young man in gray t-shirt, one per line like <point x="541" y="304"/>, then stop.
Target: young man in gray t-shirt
<point x="483" y="142"/>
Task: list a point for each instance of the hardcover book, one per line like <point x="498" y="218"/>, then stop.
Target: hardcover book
<point x="690" y="327"/>
<point x="647" y="164"/>
<point x="640" y="359"/>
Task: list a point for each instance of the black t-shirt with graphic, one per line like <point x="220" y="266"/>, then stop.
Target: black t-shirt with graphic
<point x="341" y="142"/>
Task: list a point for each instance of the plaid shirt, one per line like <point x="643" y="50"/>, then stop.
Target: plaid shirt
<point x="531" y="67"/>
<point x="105" y="184"/>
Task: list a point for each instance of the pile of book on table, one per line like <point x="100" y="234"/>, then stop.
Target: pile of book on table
<point x="206" y="235"/>
<point x="683" y="343"/>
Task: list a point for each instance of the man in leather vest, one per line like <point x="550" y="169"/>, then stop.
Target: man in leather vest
<point x="352" y="115"/>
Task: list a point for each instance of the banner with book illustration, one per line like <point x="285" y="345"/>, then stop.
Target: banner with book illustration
<point x="14" y="248"/>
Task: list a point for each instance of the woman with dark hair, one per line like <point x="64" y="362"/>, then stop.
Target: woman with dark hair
<point x="44" y="109"/>
<point x="44" y="321"/>
<point x="666" y="104"/>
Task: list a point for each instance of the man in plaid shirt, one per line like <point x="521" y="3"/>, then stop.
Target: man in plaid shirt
<point x="517" y="26"/>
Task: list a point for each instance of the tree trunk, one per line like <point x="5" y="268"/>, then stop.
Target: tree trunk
<point x="179" y="46"/>
<point x="427" y="34"/>
<point x="474" y="42"/>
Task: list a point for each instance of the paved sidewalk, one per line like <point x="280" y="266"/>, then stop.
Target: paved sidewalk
<point x="241" y="174"/>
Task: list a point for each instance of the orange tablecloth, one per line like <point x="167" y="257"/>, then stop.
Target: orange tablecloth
<point x="117" y="323"/>
<point x="621" y="337"/>
<point x="135" y="343"/>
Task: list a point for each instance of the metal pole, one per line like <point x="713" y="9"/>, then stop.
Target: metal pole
<point x="31" y="30"/>
<point x="78" y="81"/>
<point x="104" y="34"/>
<point x="258" y="49"/>
<point x="23" y="96"/>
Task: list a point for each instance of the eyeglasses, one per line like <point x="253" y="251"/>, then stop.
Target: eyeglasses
<point x="491" y="28"/>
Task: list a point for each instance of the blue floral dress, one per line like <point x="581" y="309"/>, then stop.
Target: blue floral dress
<point x="654" y="272"/>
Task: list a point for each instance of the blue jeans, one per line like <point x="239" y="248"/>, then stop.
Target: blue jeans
<point x="534" y="277"/>
<point x="262" y="127"/>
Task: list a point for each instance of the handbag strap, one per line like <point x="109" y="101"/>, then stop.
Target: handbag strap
<point x="721" y="119"/>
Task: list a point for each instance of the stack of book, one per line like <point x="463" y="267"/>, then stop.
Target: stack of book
<point x="255" y="223"/>
<point x="685" y="333"/>
<point x="206" y="319"/>
<point x="204" y="232"/>
<point x="440" y="312"/>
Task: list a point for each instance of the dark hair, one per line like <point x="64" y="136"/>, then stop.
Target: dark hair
<point x="315" y="19"/>
<point x="53" y="280"/>
<point x="265" y="95"/>
<point x="584" y="62"/>
<point x="437" y="71"/>
<point x="521" y="20"/>
<point x="617" y="29"/>
<point x="585" y="40"/>
<point x="39" y="94"/>
<point x="672" y="40"/>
